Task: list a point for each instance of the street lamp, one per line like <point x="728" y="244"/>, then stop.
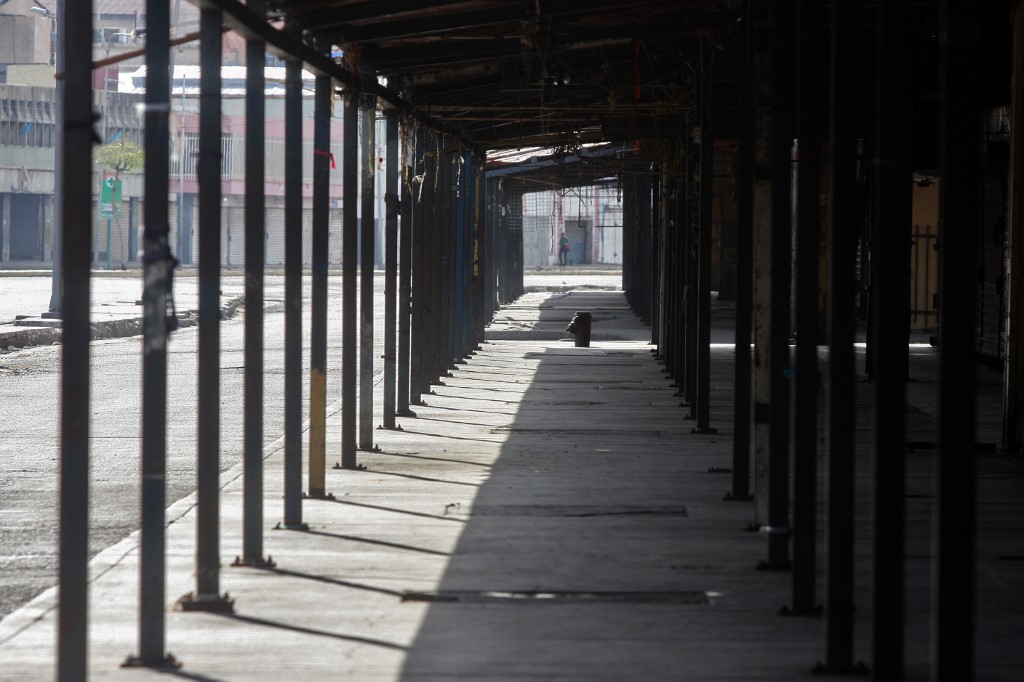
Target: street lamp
<point x="57" y="52"/>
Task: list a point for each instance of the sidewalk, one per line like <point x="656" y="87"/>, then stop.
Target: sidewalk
<point x="547" y="515"/>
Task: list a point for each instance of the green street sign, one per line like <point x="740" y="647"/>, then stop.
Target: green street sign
<point x="110" y="196"/>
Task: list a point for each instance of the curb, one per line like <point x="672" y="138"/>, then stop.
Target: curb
<point x="112" y="329"/>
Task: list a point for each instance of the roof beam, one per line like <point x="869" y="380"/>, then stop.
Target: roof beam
<point x="439" y="24"/>
<point x="329" y="13"/>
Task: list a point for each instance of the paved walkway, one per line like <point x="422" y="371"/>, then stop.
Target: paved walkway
<point x="547" y="515"/>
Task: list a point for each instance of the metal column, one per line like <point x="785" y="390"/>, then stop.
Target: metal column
<point x="460" y="200"/>
<point x="703" y="260"/>
<point x="293" y="296"/>
<point x="744" y="269"/>
<point x="762" y="99"/>
<point x="405" y="266"/>
<point x="481" y="258"/>
<point x="76" y="175"/>
<point x="391" y="204"/>
<point x="349" y="256"/>
<point x="689" y="264"/>
<point x="433" y="251"/>
<point x="844" y="230"/>
<point x="953" y="555"/>
<point x="783" y="61"/>
<point x="445" y="262"/>
<point x="255" y="257"/>
<point x="1013" y="379"/>
<point x="206" y="596"/>
<point x="811" y="77"/>
<point x="417" y="262"/>
<point x="318" y="324"/>
<point x="892" y="171"/>
<point x="368" y="174"/>
<point x="628" y="235"/>
<point x="657" y="253"/>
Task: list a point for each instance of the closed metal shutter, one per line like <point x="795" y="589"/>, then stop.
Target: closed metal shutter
<point x="275" y="234"/>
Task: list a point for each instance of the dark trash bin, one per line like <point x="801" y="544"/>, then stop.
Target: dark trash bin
<point x="580" y="328"/>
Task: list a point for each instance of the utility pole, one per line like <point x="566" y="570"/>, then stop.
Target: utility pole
<point x="56" y="283"/>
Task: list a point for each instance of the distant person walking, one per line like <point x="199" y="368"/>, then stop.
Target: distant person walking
<point x="563" y="250"/>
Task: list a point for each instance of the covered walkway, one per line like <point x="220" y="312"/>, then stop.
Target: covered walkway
<point x="562" y="510"/>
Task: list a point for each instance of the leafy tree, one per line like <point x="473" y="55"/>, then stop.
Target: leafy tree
<point x="121" y="156"/>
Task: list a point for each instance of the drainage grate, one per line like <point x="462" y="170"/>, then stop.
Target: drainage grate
<point x="619" y="387"/>
<point x="553" y="597"/>
<point x="577" y="510"/>
<point x="580" y="433"/>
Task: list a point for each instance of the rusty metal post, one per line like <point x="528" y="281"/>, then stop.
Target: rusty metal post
<point x="350" y="254"/>
<point x="317" y="485"/>
<point x="368" y="173"/>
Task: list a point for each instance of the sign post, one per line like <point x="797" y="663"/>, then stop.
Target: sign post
<point x="110" y="203"/>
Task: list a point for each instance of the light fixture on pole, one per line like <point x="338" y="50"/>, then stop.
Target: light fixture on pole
<point x="57" y="52"/>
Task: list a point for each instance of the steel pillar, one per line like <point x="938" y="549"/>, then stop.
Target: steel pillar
<point x="350" y="254"/>
<point x="293" y="296"/>
<point x="953" y="554"/>
<point x="811" y="76"/>
<point x="892" y="178"/>
<point x="782" y="129"/>
<point x="703" y="261"/>
<point x="460" y="204"/>
<point x="420" y="299"/>
<point x="657" y="253"/>
<point x="1013" y="379"/>
<point x="76" y="176"/>
<point x="255" y="258"/>
<point x="391" y="203"/>
<point x="317" y="487"/>
<point x="439" y="269"/>
<point x="206" y="596"/>
<point x="844" y="230"/>
<point x="368" y="113"/>
<point x="744" y="269"/>
<point x="688" y="264"/>
<point x="444" y="262"/>
<point x="405" y="278"/>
